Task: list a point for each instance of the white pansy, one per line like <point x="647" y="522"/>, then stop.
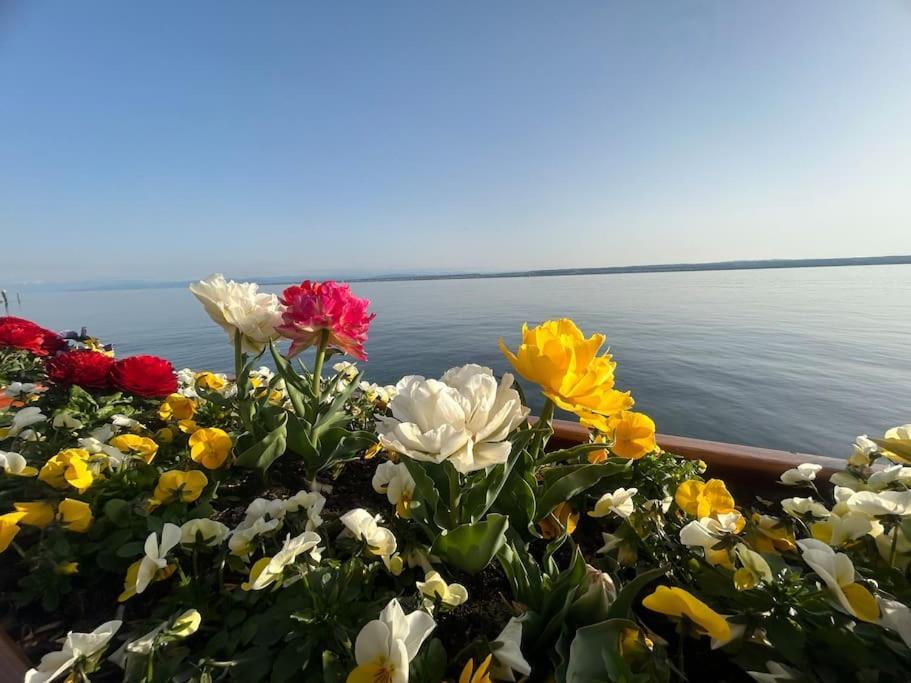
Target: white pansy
<point x="385" y="647"/>
<point x="837" y="571"/>
<point x="849" y="480"/>
<point x="396" y="482"/>
<point x="884" y="541"/>
<point x="240" y="306"/>
<point x="705" y="533"/>
<point x="896" y="616"/>
<point x="902" y="432"/>
<point x="208" y="530"/>
<point x="312" y="502"/>
<point x="156" y="554"/>
<point x="240" y="542"/>
<point x="365" y="527"/>
<point x="434" y="586"/>
<point x="611" y="541"/>
<point x="78" y="646"/>
<point x="800" y="475"/>
<point x="753" y="562"/>
<point x="464" y="418"/>
<point x="17" y="389"/>
<point x="376" y="393"/>
<point x="507" y="653"/>
<point x="25" y="418"/>
<point x="128" y="423"/>
<point x="878" y="504"/>
<point x="886" y="477"/>
<point x="66" y="420"/>
<point x="863" y="452"/>
<point x="16" y="465"/>
<point x="839" y="529"/>
<point x="177" y="628"/>
<point x="620" y="503"/>
<point x="268" y="570"/>
<point x="94" y="446"/>
<point x="801" y="507"/>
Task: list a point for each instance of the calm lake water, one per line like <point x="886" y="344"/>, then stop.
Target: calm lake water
<point x="796" y="359"/>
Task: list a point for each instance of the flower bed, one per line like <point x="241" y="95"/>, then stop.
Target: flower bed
<point x="302" y="524"/>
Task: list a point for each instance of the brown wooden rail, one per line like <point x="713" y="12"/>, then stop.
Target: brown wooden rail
<point x="747" y="469"/>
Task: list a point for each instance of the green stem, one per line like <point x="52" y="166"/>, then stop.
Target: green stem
<point x="318" y="363"/>
<point x="239" y="364"/>
<point x="546" y="418"/>
<point x="894" y="546"/>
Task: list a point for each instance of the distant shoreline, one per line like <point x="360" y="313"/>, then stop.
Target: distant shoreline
<point x="543" y="272"/>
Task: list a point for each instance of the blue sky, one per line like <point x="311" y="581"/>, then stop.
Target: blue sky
<point x="171" y="139"/>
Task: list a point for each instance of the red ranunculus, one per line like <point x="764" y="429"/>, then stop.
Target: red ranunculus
<point x="24" y="334"/>
<point x="148" y="376"/>
<point x="312" y="307"/>
<point x="85" y="368"/>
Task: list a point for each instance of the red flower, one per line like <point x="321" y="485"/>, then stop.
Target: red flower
<point x="88" y="369"/>
<point x="24" y="334"/>
<point x="312" y="307"/>
<point x="148" y="376"/>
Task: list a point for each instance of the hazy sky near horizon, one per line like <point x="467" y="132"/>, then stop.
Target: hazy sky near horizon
<point x="171" y="139"/>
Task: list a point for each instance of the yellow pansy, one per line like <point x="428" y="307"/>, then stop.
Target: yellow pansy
<point x="631" y="434"/>
<point x="177" y="407"/>
<point x="482" y="675"/>
<point x="676" y="602"/>
<point x="633" y="648"/>
<point x="187" y="426"/>
<point x="561" y="517"/>
<point x="36" y="513"/>
<point x="132" y="444"/>
<point x="129" y="583"/>
<point x="68" y="467"/>
<point x="769" y="534"/>
<point x="556" y="356"/>
<point x="67" y="568"/>
<point x="164" y="435"/>
<point x="9" y="527"/>
<point x="211" y="381"/>
<point x="704" y="499"/>
<point x="75" y="515"/>
<point x="255" y="571"/>
<point x="180" y="486"/>
<point x="210" y="446"/>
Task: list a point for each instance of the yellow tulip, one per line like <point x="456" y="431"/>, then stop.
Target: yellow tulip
<point x="676" y="602"/>
<point x="210" y="446"/>
<point x="36" y="513"/>
<point x="556" y="356"/>
<point x="704" y="499"/>
<point x="9" y="527"/>
<point x="482" y="675"/>
<point x="68" y="467"/>
<point x="177" y="407"/>
<point x="132" y="444"/>
<point x="632" y="434"/>
<point x="75" y="515"/>
<point x="180" y="486"/>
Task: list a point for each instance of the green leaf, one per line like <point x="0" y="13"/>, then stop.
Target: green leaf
<point x="622" y="607"/>
<point x="260" y="454"/>
<point x="573" y="482"/>
<point x="424" y="490"/>
<point x="470" y="547"/>
<point x="594" y="655"/>
<point x="118" y="511"/>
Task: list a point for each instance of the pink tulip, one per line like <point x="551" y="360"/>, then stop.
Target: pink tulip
<point x="312" y="307"/>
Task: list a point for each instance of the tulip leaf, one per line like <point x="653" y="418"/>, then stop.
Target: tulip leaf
<point x="572" y="482"/>
<point x="470" y="547"/>
<point x="259" y="454"/>
<point x="424" y="489"/>
<point x="622" y="606"/>
<point x="517" y="501"/>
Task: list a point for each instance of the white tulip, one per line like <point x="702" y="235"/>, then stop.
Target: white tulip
<point x="800" y="507"/>
<point x="269" y="570"/>
<point x="507" y="653"/>
<point x="800" y="475"/>
<point x="365" y="527"/>
<point x="434" y="586"/>
<point x="156" y="557"/>
<point x="25" y="418"/>
<point x="837" y="571"/>
<point x="385" y="646"/>
<point x="210" y="531"/>
<point x="77" y="646"/>
<point x="240" y="306"/>
<point x="620" y="503"/>
<point x="464" y="418"/>
<point x="16" y="465"/>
